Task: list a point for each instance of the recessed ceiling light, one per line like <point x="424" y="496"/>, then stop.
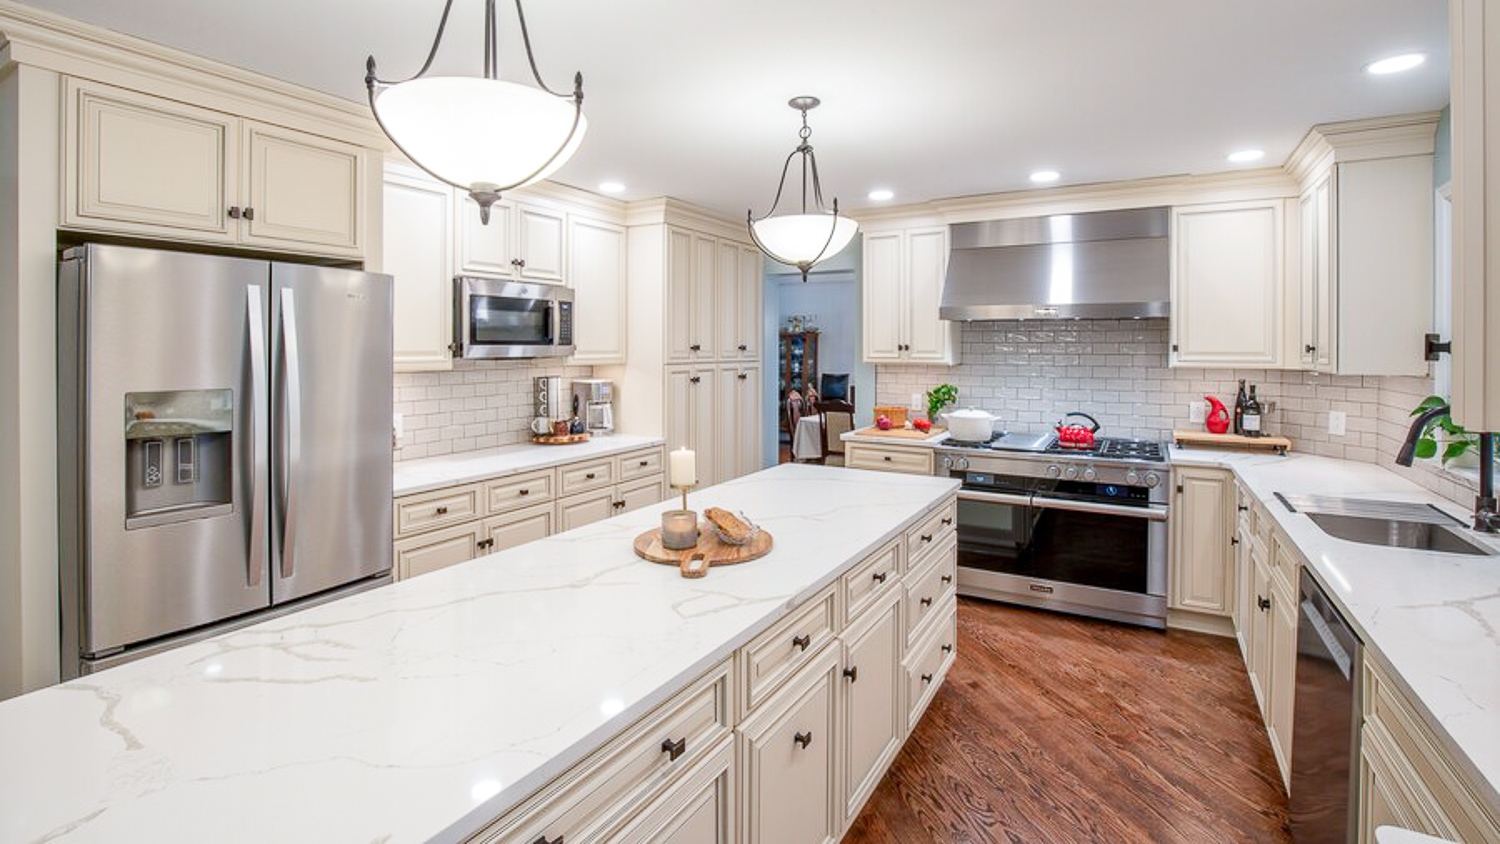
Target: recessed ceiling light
<point x="882" y="194"/>
<point x="611" y="187"/>
<point x="1395" y="64"/>
<point x="1244" y="156"/>
<point x="1044" y="176"/>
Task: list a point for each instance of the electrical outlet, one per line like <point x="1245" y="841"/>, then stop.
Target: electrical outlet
<point x="1338" y="422"/>
<point x="917" y="402"/>
<point x="1198" y="411"/>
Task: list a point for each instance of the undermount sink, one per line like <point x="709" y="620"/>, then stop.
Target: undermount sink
<point x="1394" y="524"/>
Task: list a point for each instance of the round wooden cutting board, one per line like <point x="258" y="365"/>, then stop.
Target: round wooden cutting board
<point x="648" y="546"/>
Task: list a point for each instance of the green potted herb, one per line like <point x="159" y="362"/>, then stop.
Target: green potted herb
<point x="939" y="397"/>
<point x="1456" y="442"/>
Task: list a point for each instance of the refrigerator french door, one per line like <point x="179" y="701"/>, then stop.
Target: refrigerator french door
<point x="224" y="444"/>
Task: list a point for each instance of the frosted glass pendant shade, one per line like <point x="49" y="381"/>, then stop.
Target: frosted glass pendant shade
<point x="483" y="134"/>
<point x="803" y="239"/>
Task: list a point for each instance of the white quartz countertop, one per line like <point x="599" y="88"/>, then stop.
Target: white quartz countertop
<point x="422" y="710"/>
<point x="1432" y="619"/>
<point x="429" y="473"/>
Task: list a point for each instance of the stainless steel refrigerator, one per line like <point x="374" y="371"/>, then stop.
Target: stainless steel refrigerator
<point x="224" y="444"/>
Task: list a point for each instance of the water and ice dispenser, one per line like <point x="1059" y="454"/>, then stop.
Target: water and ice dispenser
<point x="179" y="455"/>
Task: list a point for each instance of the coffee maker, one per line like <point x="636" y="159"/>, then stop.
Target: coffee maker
<point x="594" y="403"/>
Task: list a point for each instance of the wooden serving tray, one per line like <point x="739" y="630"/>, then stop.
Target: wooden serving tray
<point x="714" y="552"/>
<point x="899" y="433"/>
<point x="554" y="439"/>
<point x="1280" y="445"/>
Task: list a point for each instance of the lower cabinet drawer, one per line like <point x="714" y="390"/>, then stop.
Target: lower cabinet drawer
<point x="928" y="587"/>
<point x="583" y="476"/>
<point x="585" y="509"/>
<point x="518" y="491"/>
<point x="881" y="458"/>
<point x="927" y="663"/>
<point x="788" y="757"/>
<point x="931" y="532"/>
<point x="639" y="464"/>
<point x="517" y="527"/>
<point x="439" y="508"/>
<point x="606" y="790"/>
<point x="437" y="550"/>
<point x="780" y="651"/>
<point x="864" y="584"/>
<point x="698" y="809"/>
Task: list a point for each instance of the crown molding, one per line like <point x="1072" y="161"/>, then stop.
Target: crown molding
<point x="666" y="210"/>
<point x="1372" y="138"/>
<point x="30" y="36"/>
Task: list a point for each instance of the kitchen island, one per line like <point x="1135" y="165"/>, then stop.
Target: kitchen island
<point x="431" y="709"/>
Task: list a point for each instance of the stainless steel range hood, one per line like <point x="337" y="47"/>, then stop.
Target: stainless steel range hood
<point x="1104" y="265"/>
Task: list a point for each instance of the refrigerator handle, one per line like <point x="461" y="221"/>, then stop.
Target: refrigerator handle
<point x="292" y="447"/>
<point x="260" y="416"/>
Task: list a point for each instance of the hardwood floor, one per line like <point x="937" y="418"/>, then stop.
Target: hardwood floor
<point x="1052" y="728"/>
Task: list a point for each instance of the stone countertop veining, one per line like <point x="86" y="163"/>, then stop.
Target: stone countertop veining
<point x="422" y="710"/>
<point x="429" y="473"/>
<point x="1432" y="619"/>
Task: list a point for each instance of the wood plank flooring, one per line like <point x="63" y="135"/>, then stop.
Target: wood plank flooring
<point x="1052" y="728"/>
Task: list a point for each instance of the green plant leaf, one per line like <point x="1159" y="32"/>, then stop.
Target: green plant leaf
<point x="1427" y="404"/>
<point x="1447" y="424"/>
<point x="1454" y="451"/>
<point x="1426" y="448"/>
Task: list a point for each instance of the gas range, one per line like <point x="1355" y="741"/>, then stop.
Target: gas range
<point x="1112" y="460"/>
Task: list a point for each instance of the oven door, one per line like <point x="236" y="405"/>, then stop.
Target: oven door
<point x="1111" y="547"/>
<point x="505" y="319"/>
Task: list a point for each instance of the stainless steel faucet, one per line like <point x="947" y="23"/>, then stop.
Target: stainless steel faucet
<point x="1486" y="514"/>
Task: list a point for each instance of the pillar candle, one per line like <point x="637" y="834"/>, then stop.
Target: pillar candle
<point x="683" y="468"/>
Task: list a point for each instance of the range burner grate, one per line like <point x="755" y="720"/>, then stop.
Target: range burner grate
<point x="1115" y="448"/>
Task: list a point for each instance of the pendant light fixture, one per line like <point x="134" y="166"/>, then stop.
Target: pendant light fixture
<point x="480" y="134"/>
<point x="812" y="234"/>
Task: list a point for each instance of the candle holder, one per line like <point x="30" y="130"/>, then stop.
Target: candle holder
<point x="679" y="528"/>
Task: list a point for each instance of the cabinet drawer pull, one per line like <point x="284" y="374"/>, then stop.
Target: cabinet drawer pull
<point x="803" y="739"/>
<point x="744" y="348"/>
<point x="696" y="347"/>
<point x="1242" y="508"/>
<point x="674" y="749"/>
<point x="485" y="543"/>
<point x="947" y="649"/>
<point x="801" y="642"/>
<point x="1234" y="540"/>
<point x="948" y="520"/>
<point x="523" y="492"/>
<point x="887" y="458"/>
<point x="440" y="511"/>
<point x="542" y="839"/>
<point x="742" y="376"/>
<point x="589" y="476"/>
<point x="645" y="462"/>
<point x="852" y="672"/>
<point x="947" y="578"/>
<point x="927" y="678"/>
<point x="926" y="537"/>
<point x="1263" y="603"/>
<point x="879" y="576"/>
<point x="926" y="602"/>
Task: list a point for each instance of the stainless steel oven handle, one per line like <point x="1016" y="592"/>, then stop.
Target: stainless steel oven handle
<point x="1155" y="514"/>
<point x="995" y="498"/>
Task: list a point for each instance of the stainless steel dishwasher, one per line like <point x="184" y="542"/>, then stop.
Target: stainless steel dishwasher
<point x="1325" y="721"/>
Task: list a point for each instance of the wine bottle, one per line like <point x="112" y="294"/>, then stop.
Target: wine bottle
<point x="1252" y="417"/>
<point x="1239" y="410"/>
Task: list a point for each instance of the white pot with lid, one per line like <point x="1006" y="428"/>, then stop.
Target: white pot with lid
<point x="970" y="425"/>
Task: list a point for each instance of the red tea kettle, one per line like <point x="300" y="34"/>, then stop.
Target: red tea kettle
<point x="1077" y="436"/>
<point x="1218" y="416"/>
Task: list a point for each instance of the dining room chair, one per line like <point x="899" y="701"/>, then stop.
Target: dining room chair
<point x="835" y="417"/>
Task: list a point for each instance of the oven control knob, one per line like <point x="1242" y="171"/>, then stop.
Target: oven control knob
<point x="1152" y="479"/>
<point x="1133" y="478"/>
<point x="1089" y="474"/>
<point x="1054" y="471"/>
<point x="963" y="463"/>
<point x="947" y="462"/>
<point x="1072" y="473"/>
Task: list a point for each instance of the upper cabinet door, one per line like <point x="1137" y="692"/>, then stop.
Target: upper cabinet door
<point x="143" y="165"/>
<point x="705" y="279"/>
<point x="597" y="274"/>
<point x="418" y="222"/>
<point x="680" y="289"/>
<point x="1319" y="297"/>
<point x="486" y="250"/>
<point x="882" y="289"/>
<point x="302" y="190"/>
<point x="928" y="338"/>
<point x="727" y="293"/>
<point x="1227" y="284"/>
<point x="748" y="331"/>
<point x="540" y="235"/>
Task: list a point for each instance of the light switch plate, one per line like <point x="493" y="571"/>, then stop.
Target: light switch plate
<point x="1338" y="422"/>
<point x="1198" y="412"/>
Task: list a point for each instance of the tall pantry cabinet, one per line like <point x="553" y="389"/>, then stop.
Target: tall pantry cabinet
<point x="693" y="368"/>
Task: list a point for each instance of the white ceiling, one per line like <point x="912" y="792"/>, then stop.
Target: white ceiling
<point x="930" y="99"/>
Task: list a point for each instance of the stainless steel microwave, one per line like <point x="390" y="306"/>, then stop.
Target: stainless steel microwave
<point x="509" y="319"/>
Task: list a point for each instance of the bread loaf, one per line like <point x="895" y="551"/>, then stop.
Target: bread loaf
<point x="728" y="523"/>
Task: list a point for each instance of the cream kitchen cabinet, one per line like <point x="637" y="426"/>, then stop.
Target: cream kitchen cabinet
<point x="517" y="528"/>
<point x="1203" y="541"/>
<point x="713" y="298"/>
<point x="141" y="165"/>
<point x="437" y="550"/>
<point x="691" y="415"/>
<point x="737" y="449"/>
<point x="1366" y="259"/>
<point x="597" y="505"/>
<point x="873" y="708"/>
<point x="523" y="241"/>
<point x="1474" y="27"/>
<point x="902" y="275"/>
<point x="737" y="294"/>
<point x="597" y="274"/>
<point x="1228" y="284"/>
<point x="418" y="254"/>
<point x="1283" y="659"/>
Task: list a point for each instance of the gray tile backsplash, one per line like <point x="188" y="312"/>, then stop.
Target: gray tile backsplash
<point x="479" y="404"/>
<point x="1030" y="373"/>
